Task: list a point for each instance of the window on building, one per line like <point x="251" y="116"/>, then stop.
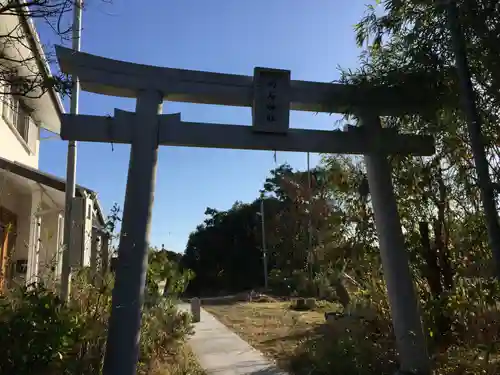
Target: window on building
<point x="16" y="113"/>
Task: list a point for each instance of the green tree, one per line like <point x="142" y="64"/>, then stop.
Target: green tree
<point x="225" y="251"/>
<point x="407" y="44"/>
<point x="164" y="271"/>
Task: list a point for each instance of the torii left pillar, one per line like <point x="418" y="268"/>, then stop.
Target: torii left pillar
<point x="122" y="349"/>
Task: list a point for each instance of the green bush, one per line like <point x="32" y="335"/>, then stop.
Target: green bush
<point x="36" y="331"/>
<point x="348" y="346"/>
<point x="323" y="285"/>
<point x="363" y="343"/>
<point x="163" y="328"/>
<point x="163" y="270"/>
<point x="40" y="335"/>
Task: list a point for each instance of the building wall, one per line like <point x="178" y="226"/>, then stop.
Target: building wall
<point x="14" y="148"/>
<point x="23" y="63"/>
<point x="49" y="239"/>
<point x="20" y="142"/>
<point x="21" y="201"/>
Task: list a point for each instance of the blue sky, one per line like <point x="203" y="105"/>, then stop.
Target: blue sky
<point x="310" y="38"/>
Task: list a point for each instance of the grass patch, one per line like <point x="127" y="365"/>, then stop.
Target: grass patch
<point x="181" y="362"/>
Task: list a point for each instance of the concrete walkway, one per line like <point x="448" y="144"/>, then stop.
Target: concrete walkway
<point x="221" y="351"/>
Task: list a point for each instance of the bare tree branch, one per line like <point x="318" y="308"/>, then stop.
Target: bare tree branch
<point x="23" y="61"/>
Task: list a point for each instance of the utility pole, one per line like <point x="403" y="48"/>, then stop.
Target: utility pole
<point x="309" y="223"/>
<point x="474" y="128"/>
<point x="71" y="161"/>
<point x="264" y="248"/>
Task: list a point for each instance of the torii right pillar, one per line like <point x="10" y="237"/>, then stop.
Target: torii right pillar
<point x="405" y="311"/>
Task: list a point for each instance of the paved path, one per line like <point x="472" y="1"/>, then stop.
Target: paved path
<point x="222" y="352"/>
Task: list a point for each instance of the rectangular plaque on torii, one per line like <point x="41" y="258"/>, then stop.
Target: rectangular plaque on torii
<point x="271" y="101"/>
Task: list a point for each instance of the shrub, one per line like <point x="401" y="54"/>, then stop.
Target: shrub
<point x="363" y="343"/>
<point x="41" y="335"/>
<point x="36" y="331"/>
<point x="347" y="346"/>
<point x="280" y="283"/>
<point x="163" y="329"/>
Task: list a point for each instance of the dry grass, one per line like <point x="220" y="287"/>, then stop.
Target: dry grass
<point x="183" y="362"/>
<point x="270" y="327"/>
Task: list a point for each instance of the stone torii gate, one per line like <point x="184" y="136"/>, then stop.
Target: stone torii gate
<point x="271" y="94"/>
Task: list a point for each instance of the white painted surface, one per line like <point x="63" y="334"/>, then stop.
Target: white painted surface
<point x="14" y="148"/>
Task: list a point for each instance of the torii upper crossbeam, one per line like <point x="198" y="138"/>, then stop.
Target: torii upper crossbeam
<point x="125" y="79"/>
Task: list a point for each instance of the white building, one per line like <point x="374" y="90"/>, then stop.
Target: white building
<point x="31" y="201"/>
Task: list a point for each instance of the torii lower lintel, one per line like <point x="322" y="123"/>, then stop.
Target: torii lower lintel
<point x="174" y="132"/>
